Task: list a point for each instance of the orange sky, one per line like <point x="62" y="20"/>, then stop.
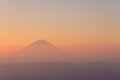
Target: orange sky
<point x="63" y="24"/>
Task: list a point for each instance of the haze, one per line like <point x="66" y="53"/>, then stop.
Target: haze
<point x="78" y="24"/>
<point x="59" y="39"/>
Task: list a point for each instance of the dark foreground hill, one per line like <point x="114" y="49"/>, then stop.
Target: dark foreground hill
<point x="60" y="71"/>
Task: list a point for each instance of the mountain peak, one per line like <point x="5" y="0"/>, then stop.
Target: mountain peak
<point x="39" y="50"/>
<point x="41" y="43"/>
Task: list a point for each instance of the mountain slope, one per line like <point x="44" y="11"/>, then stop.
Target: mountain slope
<point x="40" y="50"/>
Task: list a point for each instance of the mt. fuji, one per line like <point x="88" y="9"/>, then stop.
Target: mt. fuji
<point x="40" y="50"/>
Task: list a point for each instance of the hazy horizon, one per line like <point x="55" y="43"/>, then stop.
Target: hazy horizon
<point x="59" y="39"/>
<point x="44" y="51"/>
<point x="81" y="27"/>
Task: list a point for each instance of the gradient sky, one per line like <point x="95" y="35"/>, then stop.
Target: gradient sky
<point x="62" y="22"/>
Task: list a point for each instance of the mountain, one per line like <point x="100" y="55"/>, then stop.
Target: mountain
<point x="40" y="50"/>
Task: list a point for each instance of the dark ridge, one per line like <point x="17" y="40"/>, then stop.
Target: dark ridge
<point x="41" y="42"/>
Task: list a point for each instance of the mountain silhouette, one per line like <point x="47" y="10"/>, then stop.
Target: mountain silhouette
<point x="40" y="50"/>
<point x="41" y="43"/>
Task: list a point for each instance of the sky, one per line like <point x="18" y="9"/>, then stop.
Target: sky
<point x="64" y="23"/>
